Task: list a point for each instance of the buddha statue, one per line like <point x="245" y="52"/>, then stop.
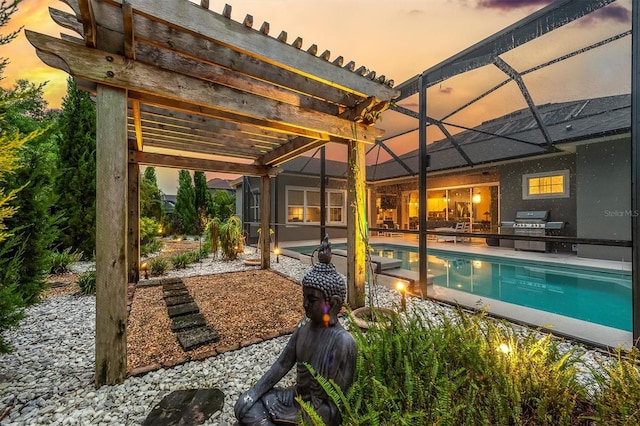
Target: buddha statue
<point x="319" y="340"/>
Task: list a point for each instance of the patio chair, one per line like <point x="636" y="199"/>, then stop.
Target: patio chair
<point x="458" y="227"/>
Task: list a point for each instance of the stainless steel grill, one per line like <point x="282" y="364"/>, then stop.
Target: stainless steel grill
<point x="533" y="223"/>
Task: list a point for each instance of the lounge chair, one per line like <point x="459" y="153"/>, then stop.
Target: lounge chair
<point x="458" y="227"/>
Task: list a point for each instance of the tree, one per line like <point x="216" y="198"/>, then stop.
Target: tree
<point x="77" y="166"/>
<point x="34" y="227"/>
<point x="224" y="204"/>
<point x="150" y="196"/>
<point x="185" y="211"/>
<point x="203" y="200"/>
<point x="10" y="143"/>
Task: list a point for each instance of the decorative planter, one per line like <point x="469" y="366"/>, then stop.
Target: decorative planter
<point x="367" y="317"/>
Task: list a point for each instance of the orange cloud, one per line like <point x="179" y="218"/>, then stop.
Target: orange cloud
<point x="24" y="64"/>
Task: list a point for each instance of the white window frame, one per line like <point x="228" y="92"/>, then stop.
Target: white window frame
<point x="254" y="207"/>
<point x="327" y="206"/>
<point x="525" y="185"/>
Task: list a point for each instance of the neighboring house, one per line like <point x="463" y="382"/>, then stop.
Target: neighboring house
<point x="484" y="175"/>
<point x="169" y="203"/>
<point x="217" y="184"/>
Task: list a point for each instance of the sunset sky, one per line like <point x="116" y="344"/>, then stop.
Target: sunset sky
<point x="400" y="39"/>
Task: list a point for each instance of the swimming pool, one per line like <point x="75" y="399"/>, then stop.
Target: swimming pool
<point x="596" y="296"/>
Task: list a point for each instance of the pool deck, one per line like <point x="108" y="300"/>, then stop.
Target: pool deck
<point x="561" y="325"/>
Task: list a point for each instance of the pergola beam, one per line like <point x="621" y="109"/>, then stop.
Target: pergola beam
<point x="191" y="163"/>
<point x="114" y="70"/>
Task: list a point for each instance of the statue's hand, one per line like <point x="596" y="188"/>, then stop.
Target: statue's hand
<point x="244" y="403"/>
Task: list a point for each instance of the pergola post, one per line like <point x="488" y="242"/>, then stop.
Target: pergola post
<point x="265" y="217"/>
<point x="111" y="235"/>
<point x="133" y="221"/>
<point x="357" y="229"/>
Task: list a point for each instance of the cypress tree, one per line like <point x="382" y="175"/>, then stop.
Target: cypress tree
<point x="150" y="196"/>
<point x="185" y="210"/>
<point x="204" y="200"/>
<point x="34" y="227"/>
<point x="77" y="166"/>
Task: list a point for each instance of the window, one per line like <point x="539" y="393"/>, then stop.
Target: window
<point x="254" y="207"/>
<point x="546" y="185"/>
<point x="303" y="205"/>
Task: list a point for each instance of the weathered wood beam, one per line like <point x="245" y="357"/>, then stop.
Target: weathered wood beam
<point x="88" y="23"/>
<point x="191" y="163"/>
<point x="265" y="218"/>
<point x="133" y="221"/>
<point x="135" y="107"/>
<point x="115" y="70"/>
<point x="66" y="20"/>
<point x="159" y="139"/>
<point x="111" y="236"/>
<point x="221" y="138"/>
<point x="129" y="31"/>
<point x="158" y="34"/>
<point x="173" y="61"/>
<point x="182" y="147"/>
<point x="357" y="228"/>
<point x="234" y="34"/>
<point x="225" y="116"/>
<point x="178" y="118"/>
<point x="292" y="149"/>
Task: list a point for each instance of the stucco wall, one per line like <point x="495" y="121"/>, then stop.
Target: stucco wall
<point x="562" y="209"/>
<point x="603" y="197"/>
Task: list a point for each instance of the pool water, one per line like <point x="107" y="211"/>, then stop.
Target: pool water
<point x="590" y="295"/>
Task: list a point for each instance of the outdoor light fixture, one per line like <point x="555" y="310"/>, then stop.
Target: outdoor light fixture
<point x="504" y="348"/>
<point x="476" y="198"/>
<point x="145" y="269"/>
<point x="403" y="298"/>
<point x="276" y="251"/>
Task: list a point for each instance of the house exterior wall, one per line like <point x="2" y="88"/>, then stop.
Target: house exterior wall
<point x="291" y="232"/>
<point x="561" y="209"/>
<point x="603" y="197"/>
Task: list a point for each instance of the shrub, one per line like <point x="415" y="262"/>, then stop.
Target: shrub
<point x="61" y="260"/>
<point x="149" y="229"/>
<point x="231" y="238"/>
<point x="181" y="260"/>
<point x="449" y="370"/>
<point x="152" y="246"/>
<point x="617" y="401"/>
<point x="87" y="282"/>
<point x="158" y="266"/>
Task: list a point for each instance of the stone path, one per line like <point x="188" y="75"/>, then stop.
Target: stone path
<point x="188" y="322"/>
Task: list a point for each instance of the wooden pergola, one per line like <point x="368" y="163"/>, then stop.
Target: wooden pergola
<point x="178" y="85"/>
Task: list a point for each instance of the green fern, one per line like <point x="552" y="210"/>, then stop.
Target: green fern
<point x="312" y="415"/>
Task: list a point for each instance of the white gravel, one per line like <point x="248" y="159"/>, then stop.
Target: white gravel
<point x="48" y="379"/>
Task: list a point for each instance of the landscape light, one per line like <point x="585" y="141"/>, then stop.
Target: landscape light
<point x="276" y="251"/>
<point x="403" y="298"/>
<point x="145" y="269"/>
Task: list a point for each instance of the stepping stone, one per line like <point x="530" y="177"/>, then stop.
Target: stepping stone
<point x="178" y="300"/>
<point x="185" y="308"/>
<point x="186" y="407"/>
<point x="184" y="322"/>
<point x="174" y="286"/>
<point x="195" y="337"/>
<point x="173" y="293"/>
